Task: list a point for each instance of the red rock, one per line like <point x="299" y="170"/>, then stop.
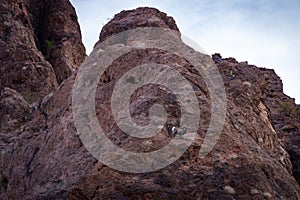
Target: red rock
<point x="26" y="65"/>
<point x="47" y="160"/>
<point x="14" y="110"/>
<point x="140" y="17"/>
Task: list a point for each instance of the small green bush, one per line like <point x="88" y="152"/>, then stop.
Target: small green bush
<point x="131" y="79"/>
<point x="48" y="44"/>
<point x="296" y="113"/>
<point x="30" y="96"/>
<point x="287" y="108"/>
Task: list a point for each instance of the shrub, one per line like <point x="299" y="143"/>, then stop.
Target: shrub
<point x="287" y="108"/>
<point x="48" y="44"/>
<point x="296" y="113"/>
<point x="30" y="96"/>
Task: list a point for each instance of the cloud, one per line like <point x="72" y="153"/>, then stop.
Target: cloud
<point x="265" y="33"/>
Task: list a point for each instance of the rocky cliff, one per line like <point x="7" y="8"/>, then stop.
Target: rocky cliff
<point x="43" y="157"/>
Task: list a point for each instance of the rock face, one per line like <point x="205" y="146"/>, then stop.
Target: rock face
<point x="14" y="110"/>
<point x="285" y="116"/>
<point x="44" y="158"/>
<point x="40" y="46"/>
<point x="283" y="112"/>
<point x="57" y="36"/>
<point x="142" y="17"/>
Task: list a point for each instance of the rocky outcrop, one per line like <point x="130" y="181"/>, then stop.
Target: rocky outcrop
<point x="14" y="110"/>
<point x="44" y="158"/>
<point x="141" y="17"/>
<point x="40" y="46"/>
<point x="284" y="114"/>
<point x="57" y="37"/>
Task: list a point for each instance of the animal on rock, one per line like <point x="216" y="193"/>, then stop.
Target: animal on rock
<point x="178" y="131"/>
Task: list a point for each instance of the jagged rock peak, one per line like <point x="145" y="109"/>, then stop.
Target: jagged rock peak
<point x="217" y="58"/>
<point x="140" y="17"/>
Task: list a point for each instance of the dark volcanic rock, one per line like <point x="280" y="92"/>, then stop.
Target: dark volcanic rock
<point x="44" y="158"/>
<point x="57" y="37"/>
<point x="285" y="116"/>
<point x="40" y="45"/>
<point x="283" y="112"/>
<point x="14" y="110"/>
<point x="140" y="17"/>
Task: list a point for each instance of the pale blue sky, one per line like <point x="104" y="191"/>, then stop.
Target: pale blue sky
<point x="265" y="33"/>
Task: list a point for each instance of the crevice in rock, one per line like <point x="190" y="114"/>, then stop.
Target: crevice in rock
<point x="28" y="171"/>
<point x="57" y="36"/>
<point x="4" y="182"/>
<point x="43" y="41"/>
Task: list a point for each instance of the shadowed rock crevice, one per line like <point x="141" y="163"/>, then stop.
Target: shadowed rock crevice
<point x="57" y="37"/>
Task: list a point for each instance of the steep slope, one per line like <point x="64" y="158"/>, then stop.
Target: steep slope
<point x="45" y="158"/>
<point x="283" y="112"/>
<point x="40" y="46"/>
<point x="285" y="116"/>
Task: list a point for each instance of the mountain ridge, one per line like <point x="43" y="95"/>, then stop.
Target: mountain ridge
<point x="42" y="156"/>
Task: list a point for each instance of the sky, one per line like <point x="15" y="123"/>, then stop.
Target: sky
<point x="266" y="33"/>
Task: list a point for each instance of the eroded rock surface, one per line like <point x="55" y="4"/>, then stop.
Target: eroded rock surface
<point x="45" y="159"/>
<point x="282" y="111"/>
<point x="40" y="46"/>
<point x="141" y="17"/>
<point x="14" y="110"/>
